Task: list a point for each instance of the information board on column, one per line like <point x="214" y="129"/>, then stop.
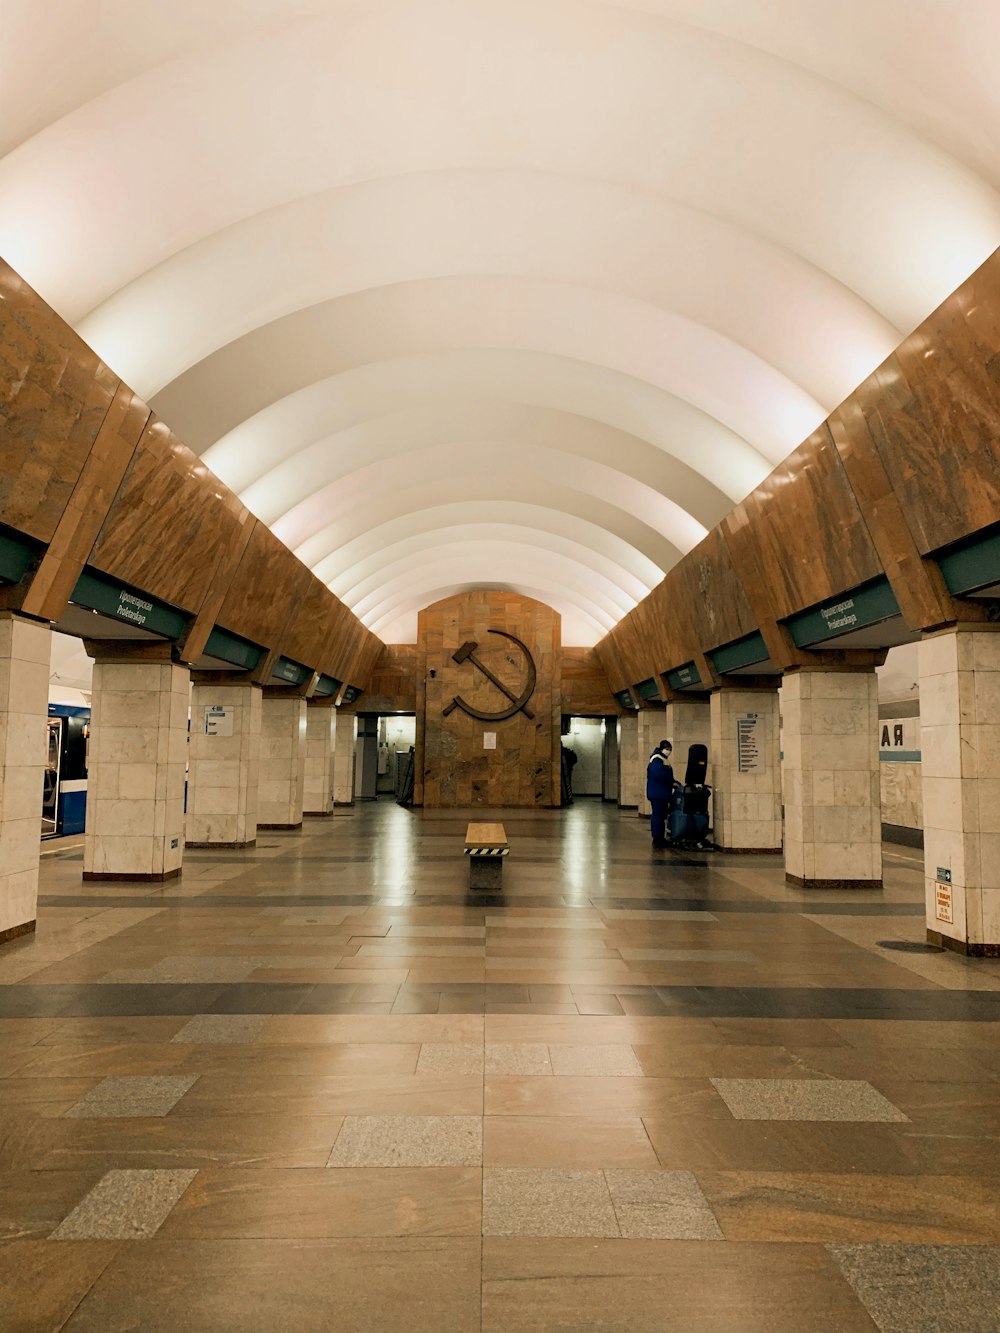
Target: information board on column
<point x="218" y="720"/>
<point x="749" y="743"/>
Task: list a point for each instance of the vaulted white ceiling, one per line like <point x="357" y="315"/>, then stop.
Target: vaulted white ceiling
<point x="523" y="293"/>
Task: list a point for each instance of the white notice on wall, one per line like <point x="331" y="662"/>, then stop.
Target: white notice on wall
<point x="218" y="720"/>
<point x="943" y="905"/>
<point x="749" y="743"/>
<point x="489" y="740"/>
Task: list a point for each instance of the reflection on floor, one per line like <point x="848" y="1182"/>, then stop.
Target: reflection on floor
<point x="318" y="1085"/>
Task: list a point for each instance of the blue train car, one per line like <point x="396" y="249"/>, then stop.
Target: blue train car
<point x="64" y="794"/>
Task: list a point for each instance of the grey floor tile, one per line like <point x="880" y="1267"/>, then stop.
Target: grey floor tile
<point x="661" y="1205"/>
<point x="805" y="1099"/>
<point x="450" y="1057"/>
<point x="223" y="1029"/>
<point x="524" y="1201"/>
<point x="405" y="1140"/>
<point x="187" y="968"/>
<point x="925" y="1288"/>
<point x="505" y="1057"/>
<point x="125" y="1205"/>
<point x="595" y="1061"/>
<point x="128" y="1095"/>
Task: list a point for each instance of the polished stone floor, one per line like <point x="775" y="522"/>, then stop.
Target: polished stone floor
<point x="318" y="1086"/>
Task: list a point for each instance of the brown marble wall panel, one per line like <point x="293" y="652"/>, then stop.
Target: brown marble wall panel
<point x="54" y="396"/>
<point x="308" y="636"/>
<point x="263" y="590"/>
<point x="392" y="685"/>
<point x="932" y="413"/>
<point x="172" y="523"/>
<point x="709" y="591"/>
<point x="586" y="691"/>
<point x="91" y="498"/>
<point x="453" y="767"/>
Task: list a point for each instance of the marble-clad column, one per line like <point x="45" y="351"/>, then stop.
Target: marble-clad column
<point x="960" y="751"/>
<point x="282" y="761"/>
<point x="631" y="765"/>
<point x="25" y="648"/>
<point x="223" y="765"/>
<point x="317" y="796"/>
<point x="345" y="734"/>
<point x="830" y="779"/>
<point x="137" y="758"/>
<point x="746" y="773"/>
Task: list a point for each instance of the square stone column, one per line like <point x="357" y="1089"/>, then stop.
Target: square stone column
<point x="631" y="765"/>
<point x="25" y="649"/>
<point x="135" y="777"/>
<point x="830" y="779"/>
<point x="345" y="734"/>
<point x="652" y="729"/>
<point x="317" y="797"/>
<point x="746" y="785"/>
<point x="688" y="722"/>
<point x="282" y="762"/>
<point x="223" y="765"/>
<point x="960" y="753"/>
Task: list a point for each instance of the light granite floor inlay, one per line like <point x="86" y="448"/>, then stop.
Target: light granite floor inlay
<point x="925" y="1288"/>
<point x="451" y="1057"/>
<point x="523" y="1201"/>
<point x="805" y="1099"/>
<point x="222" y="1029"/>
<point x="405" y="1140"/>
<point x="661" y="1205"/>
<point x="125" y="1205"/>
<point x="129" y="1095"/>
<point x="506" y="1057"/>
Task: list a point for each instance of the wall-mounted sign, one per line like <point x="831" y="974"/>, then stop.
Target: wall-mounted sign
<point x="15" y="557"/>
<point x="944" y="907"/>
<point x="624" y="699"/>
<point x="749" y="651"/>
<point x="647" y="689"/>
<point x="96" y="592"/>
<point x="226" y="647"/>
<point x="489" y="740"/>
<point x="518" y="702"/>
<point x="292" y="672"/>
<point x="899" y="740"/>
<point x="750" y="743"/>
<point x="218" y="720"/>
<point x="684" y="677"/>
<point x="866" y="605"/>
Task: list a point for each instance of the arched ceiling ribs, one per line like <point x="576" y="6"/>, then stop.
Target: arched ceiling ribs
<point x="430" y="491"/>
<point x="497" y="560"/>
<point x="590" y="570"/>
<point x="376" y="233"/>
<point x="689" y="361"/>
<point x="487" y="430"/>
<point x="342" y="401"/>
<point x="349" y="563"/>
<point x="542" y="470"/>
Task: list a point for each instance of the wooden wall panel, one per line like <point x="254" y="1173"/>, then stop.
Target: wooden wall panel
<point x="264" y="589"/>
<point x="171" y="524"/>
<point x="54" y="396"/>
<point x="706" y="593"/>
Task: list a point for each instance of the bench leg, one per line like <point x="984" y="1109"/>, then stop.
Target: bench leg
<point x="485" y="872"/>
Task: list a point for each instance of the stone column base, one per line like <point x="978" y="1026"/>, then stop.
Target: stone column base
<point x="12" y="932"/>
<point x="224" y="846"/>
<point x="280" y="827"/>
<point x="133" y="876"/>
<point x="801" y="883"/>
<point x="748" y="851"/>
<point x="967" y="948"/>
<point x="317" y="814"/>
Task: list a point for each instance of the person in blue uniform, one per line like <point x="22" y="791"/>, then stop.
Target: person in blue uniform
<point x="659" y="788"/>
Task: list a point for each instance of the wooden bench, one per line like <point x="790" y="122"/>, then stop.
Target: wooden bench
<point x="486" y="846"/>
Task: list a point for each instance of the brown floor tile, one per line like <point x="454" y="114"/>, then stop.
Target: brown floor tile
<point x="692" y="1060"/>
<point x="77" y="1059"/>
<point x="311" y="1286"/>
<point x="43" y="1282"/>
<point x="827" y="1208"/>
<point x="42" y="1096"/>
<point x="349" y="1028"/>
<point x="579" y="1143"/>
<point x="399" y="1201"/>
<point x="108" y="1032"/>
<point x="357" y="1094"/>
<point x="272" y="1061"/>
<point x="535" y="1285"/>
<point x="579" y="1096"/>
<point x="33" y="1203"/>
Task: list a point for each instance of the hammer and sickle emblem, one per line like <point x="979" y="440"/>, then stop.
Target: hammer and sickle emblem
<point x="518" y="702"/>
